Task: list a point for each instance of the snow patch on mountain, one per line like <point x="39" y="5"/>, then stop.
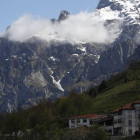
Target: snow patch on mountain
<point x="105" y="14"/>
<point x="57" y="84"/>
<point x="53" y="59"/>
<point x="75" y="54"/>
<point x="127" y="10"/>
<point x="82" y="49"/>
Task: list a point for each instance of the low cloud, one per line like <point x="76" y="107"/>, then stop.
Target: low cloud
<point x="77" y="28"/>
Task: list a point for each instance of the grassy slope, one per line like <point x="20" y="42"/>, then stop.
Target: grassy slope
<point x="122" y="88"/>
<point x="116" y="97"/>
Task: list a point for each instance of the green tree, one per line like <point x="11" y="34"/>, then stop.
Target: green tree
<point x="103" y="85"/>
<point x="96" y="133"/>
<point x="93" y="92"/>
<point x="14" y="123"/>
<point x="38" y="131"/>
<point x="74" y="135"/>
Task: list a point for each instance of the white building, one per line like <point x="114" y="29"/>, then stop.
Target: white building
<point x="107" y="123"/>
<point x="126" y="119"/>
<point x="84" y="120"/>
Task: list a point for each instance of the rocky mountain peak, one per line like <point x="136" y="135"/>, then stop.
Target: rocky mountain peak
<point x="127" y="10"/>
<point x="8" y="28"/>
<point x="103" y="3"/>
<point x="63" y="15"/>
<point x="33" y="70"/>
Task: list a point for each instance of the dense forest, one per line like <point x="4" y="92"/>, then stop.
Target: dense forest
<point x="49" y="119"/>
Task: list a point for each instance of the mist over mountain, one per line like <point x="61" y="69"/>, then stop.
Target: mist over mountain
<point x="75" y="29"/>
<point x="42" y="58"/>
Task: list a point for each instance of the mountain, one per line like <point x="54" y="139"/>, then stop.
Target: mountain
<point x="126" y="11"/>
<point x="133" y="58"/>
<point x="36" y="69"/>
<point x="64" y="15"/>
<point x="33" y="70"/>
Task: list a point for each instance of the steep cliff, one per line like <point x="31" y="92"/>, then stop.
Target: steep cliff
<point x="36" y="69"/>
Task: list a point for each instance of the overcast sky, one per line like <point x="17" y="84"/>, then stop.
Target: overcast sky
<point x="11" y="10"/>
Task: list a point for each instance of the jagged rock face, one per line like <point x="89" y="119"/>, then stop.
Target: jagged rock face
<point x="33" y="70"/>
<point x="103" y="3"/>
<point x="64" y="15"/>
<point x="133" y="58"/>
<point x="112" y="59"/>
<point x="36" y="69"/>
<point x="128" y="9"/>
<point x="90" y="73"/>
<point x="126" y="12"/>
<point x="24" y="77"/>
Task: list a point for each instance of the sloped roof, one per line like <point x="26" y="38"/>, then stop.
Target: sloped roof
<point x="106" y="118"/>
<point x="84" y="116"/>
<point x="97" y="117"/>
<point x="90" y="116"/>
<point x="136" y="102"/>
<point x="127" y="106"/>
<point x="124" y="107"/>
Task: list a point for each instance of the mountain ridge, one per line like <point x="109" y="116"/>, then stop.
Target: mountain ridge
<point x="36" y="69"/>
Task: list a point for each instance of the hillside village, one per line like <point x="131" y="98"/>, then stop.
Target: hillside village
<point x="117" y="113"/>
<point x="76" y="77"/>
<point x="124" y="121"/>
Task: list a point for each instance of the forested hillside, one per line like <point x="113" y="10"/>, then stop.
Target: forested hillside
<point x="120" y="89"/>
<point x="52" y="116"/>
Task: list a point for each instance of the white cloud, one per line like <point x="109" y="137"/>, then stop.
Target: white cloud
<point x="77" y="28"/>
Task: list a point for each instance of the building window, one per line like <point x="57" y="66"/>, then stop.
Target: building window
<point x="78" y="120"/>
<point x="123" y="121"/>
<point x="84" y="120"/>
<point x="115" y="114"/>
<point x="119" y="113"/>
<point x="91" y="123"/>
<point x="130" y="122"/>
<point x="119" y="121"/>
<point x="115" y="121"/>
<point x="139" y="116"/>
<point x="130" y="132"/>
<point x="72" y="121"/>
<point x="130" y="113"/>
